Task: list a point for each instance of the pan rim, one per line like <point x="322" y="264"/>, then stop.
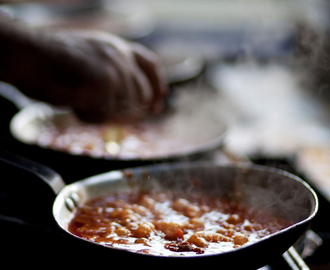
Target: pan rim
<point x="114" y="175"/>
<point x="46" y="110"/>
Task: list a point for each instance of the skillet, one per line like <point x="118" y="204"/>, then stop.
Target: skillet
<point x="256" y="186"/>
<point x="159" y="139"/>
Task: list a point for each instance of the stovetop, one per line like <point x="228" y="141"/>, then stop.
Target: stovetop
<point x="30" y="232"/>
<point x="29" y="235"/>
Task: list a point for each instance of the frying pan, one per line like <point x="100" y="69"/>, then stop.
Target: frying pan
<point x="25" y="125"/>
<point x="266" y="188"/>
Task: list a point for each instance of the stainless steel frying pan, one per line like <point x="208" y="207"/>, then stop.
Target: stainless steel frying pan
<point x="256" y="186"/>
<point x="173" y="137"/>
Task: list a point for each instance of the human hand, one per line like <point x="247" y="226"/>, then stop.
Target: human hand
<point x="100" y="76"/>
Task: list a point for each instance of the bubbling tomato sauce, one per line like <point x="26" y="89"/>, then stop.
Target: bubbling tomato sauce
<point x="172" y="224"/>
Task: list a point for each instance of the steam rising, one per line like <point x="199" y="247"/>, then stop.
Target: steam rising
<point x="198" y="116"/>
<point x="261" y="190"/>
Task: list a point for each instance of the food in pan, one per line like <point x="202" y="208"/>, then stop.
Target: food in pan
<point x="141" y="140"/>
<point x="66" y="133"/>
<point x="172" y="224"/>
<point x="181" y="130"/>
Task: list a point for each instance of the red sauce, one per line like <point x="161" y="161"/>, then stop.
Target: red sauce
<point x="108" y="140"/>
<point x="171" y="224"/>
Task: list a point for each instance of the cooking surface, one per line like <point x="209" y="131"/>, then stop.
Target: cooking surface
<point x="43" y="232"/>
<point x="289" y="129"/>
<point x="169" y="135"/>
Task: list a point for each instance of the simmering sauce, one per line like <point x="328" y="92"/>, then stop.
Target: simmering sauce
<point x="171" y="224"/>
<point x="168" y="136"/>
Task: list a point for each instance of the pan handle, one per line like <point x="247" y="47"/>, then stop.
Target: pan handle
<point x="13" y="95"/>
<point x="48" y="175"/>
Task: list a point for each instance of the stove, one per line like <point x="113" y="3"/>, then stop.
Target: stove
<point x="30" y="233"/>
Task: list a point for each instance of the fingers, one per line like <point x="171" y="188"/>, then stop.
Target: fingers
<point x="150" y="64"/>
<point x="134" y="92"/>
<point x="142" y="77"/>
<point x="143" y="87"/>
<point x="132" y="81"/>
<point x="141" y="72"/>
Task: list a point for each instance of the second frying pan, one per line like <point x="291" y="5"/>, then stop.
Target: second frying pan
<point x="174" y="136"/>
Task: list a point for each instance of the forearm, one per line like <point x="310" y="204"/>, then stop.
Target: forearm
<point x="95" y="73"/>
<point x="15" y="43"/>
